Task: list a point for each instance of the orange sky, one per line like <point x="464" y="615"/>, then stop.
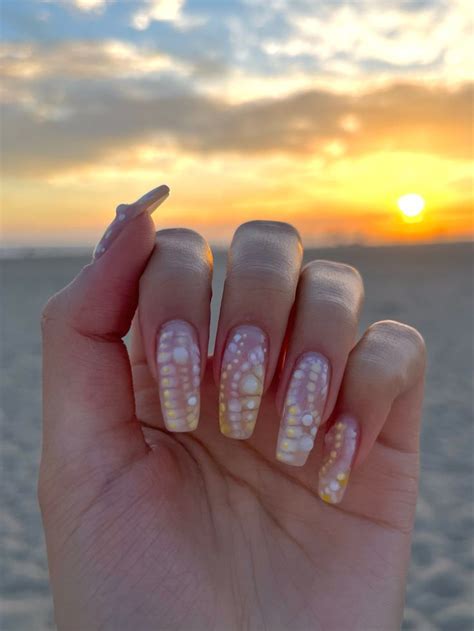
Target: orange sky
<point x="277" y="123"/>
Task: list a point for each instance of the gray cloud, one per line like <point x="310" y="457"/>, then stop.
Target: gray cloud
<point x="89" y="120"/>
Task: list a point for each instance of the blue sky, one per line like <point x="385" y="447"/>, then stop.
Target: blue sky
<point x="266" y="37"/>
<point x="96" y="93"/>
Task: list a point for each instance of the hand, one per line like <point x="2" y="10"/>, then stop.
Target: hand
<point x="151" y="526"/>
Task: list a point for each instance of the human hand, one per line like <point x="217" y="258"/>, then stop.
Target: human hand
<point x="149" y="527"/>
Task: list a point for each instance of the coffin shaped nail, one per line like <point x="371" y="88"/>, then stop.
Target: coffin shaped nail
<point x="243" y="371"/>
<point x="179" y="367"/>
<point x="126" y="212"/>
<point x="340" y="444"/>
<point x="303" y="408"/>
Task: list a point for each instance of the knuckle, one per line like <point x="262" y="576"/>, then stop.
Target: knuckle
<point x="266" y="226"/>
<point x="396" y="352"/>
<point x="333" y="272"/>
<point x="265" y="255"/>
<point x="334" y="305"/>
<point x="335" y="287"/>
<point x="183" y="249"/>
<point x="258" y="276"/>
<point x="179" y="234"/>
<point x="401" y="335"/>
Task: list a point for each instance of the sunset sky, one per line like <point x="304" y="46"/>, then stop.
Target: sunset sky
<point x="322" y="114"/>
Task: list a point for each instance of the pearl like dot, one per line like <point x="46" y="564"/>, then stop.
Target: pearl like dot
<point x="192" y="400"/>
<point x="307" y="419"/>
<point x="249" y="385"/>
<point x="180" y="355"/>
<point x="306" y="443"/>
<point x="235" y="405"/>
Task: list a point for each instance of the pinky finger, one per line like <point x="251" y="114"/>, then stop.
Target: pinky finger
<point x="380" y="398"/>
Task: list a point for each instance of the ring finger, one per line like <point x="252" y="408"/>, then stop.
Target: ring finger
<point x="323" y="333"/>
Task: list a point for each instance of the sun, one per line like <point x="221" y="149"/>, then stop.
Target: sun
<point x="411" y="205"/>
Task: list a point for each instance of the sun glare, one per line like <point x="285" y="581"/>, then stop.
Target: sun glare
<point x="411" y="205"/>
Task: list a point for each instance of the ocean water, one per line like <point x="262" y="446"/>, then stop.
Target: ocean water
<point x="429" y="287"/>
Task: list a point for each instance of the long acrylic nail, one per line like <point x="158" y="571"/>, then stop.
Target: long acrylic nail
<point x="304" y="405"/>
<point x="179" y="367"/>
<point x="242" y="377"/>
<point x="126" y="212"/>
<point x="340" y="444"/>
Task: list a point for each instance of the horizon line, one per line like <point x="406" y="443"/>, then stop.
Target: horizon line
<point x="51" y="251"/>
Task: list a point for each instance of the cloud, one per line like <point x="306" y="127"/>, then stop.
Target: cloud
<point x="435" y="37"/>
<point x="90" y="5"/>
<point x="109" y="59"/>
<point x="165" y="11"/>
<point x="101" y="119"/>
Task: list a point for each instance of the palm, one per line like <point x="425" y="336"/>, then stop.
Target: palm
<point x="195" y="530"/>
<point x="206" y="528"/>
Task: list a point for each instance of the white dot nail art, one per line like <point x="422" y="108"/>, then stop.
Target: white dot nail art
<point x="180" y="355"/>
<point x="242" y="380"/>
<point x="304" y="404"/>
<point x="340" y="444"/>
<point x="178" y="377"/>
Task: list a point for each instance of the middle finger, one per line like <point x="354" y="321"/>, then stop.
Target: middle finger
<point x="262" y="275"/>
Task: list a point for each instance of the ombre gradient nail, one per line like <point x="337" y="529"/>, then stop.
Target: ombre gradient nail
<point x="179" y="368"/>
<point x="126" y="212"/>
<point x="304" y="405"/>
<point x="340" y="444"/>
<point x="243" y="370"/>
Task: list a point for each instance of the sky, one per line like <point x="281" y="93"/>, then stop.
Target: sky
<point x="322" y="114"/>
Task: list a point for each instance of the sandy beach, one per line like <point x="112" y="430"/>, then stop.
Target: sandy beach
<point x="429" y="287"/>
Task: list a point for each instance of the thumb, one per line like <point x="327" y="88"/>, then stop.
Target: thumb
<point x="88" y="402"/>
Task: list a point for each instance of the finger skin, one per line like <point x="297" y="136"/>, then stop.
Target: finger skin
<point x="174" y="312"/>
<point x="380" y="400"/>
<point x="327" y="310"/>
<point x="86" y="370"/>
<point x="386" y="367"/>
<point x="263" y="267"/>
<point x="176" y="285"/>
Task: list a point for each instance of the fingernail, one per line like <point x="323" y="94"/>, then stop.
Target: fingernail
<point x="243" y="370"/>
<point x="179" y="367"/>
<point x="126" y="212"/>
<point x="340" y="444"/>
<point x="304" y="405"/>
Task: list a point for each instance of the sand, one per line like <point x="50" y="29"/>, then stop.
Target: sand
<point x="429" y="287"/>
